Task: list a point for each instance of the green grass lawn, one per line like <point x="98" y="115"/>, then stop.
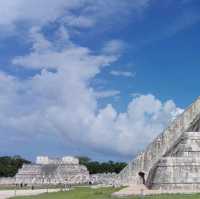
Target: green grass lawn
<point x="87" y="193"/>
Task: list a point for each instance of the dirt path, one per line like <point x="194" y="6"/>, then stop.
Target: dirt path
<point x="11" y="193"/>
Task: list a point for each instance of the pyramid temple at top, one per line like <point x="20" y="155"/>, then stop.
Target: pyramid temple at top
<point x="172" y="160"/>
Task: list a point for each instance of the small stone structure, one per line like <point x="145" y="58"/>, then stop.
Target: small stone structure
<point x="53" y="171"/>
<point x="172" y="160"/>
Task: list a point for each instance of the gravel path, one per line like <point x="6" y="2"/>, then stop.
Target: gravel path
<point x="11" y="193"/>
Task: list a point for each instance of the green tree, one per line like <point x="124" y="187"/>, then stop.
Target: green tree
<point x="10" y="165"/>
<point x="102" y="167"/>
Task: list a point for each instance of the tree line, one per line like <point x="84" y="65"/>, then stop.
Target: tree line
<point x="10" y="165"/>
<point x="95" y="167"/>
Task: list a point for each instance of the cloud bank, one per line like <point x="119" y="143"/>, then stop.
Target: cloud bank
<point x="63" y="102"/>
<point x="73" y="13"/>
<point x="59" y="99"/>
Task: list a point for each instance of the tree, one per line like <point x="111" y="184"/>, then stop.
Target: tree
<point x="83" y="160"/>
<point x="10" y="165"/>
<point x="102" y="167"/>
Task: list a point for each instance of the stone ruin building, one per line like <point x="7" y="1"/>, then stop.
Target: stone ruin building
<point x="172" y="160"/>
<point x="53" y="171"/>
<point x="67" y="170"/>
<point x="58" y="171"/>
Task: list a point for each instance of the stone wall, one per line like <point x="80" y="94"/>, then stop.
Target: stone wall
<point x="177" y="173"/>
<point x="7" y="181"/>
<point x="52" y="174"/>
<point x="180" y="168"/>
<point x="104" y="178"/>
<point x="148" y="159"/>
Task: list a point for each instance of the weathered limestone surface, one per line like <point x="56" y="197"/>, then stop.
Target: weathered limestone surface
<point x="170" y="143"/>
<point x="53" y="172"/>
<point x="104" y="178"/>
<point x="7" y="181"/>
<point x="64" y="160"/>
<point x="177" y="173"/>
<point x="180" y="169"/>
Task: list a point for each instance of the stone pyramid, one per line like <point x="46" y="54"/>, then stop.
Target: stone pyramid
<point x="172" y="160"/>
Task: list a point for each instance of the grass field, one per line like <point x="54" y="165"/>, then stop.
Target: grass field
<point x="87" y="193"/>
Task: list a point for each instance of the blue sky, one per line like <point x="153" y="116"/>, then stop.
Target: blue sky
<point x="96" y="78"/>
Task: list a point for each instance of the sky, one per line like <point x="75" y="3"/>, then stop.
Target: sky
<point x="95" y="78"/>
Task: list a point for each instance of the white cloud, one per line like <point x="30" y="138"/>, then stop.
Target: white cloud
<point x="129" y="132"/>
<point x="72" y="58"/>
<point x="63" y="102"/>
<point x="122" y="73"/>
<point x="114" y="46"/>
<point x="79" y="21"/>
<point x="38" y="12"/>
<point x="34" y="11"/>
<point x="106" y="94"/>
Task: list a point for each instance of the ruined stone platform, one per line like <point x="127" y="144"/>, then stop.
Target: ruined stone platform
<point x="53" y="171"/>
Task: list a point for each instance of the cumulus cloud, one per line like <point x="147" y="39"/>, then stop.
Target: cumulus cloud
<point x="63" y="102"/>
<point x="114" y="46"/>
<point x="130" y="131"/>
<point x="59" y="99"/>
<point x="41" y="12"/>
<point x="122" y="73"/>
<point x="108" y="93"/>
<point x="34" y="11"/>
<point x="79" y="21"/>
